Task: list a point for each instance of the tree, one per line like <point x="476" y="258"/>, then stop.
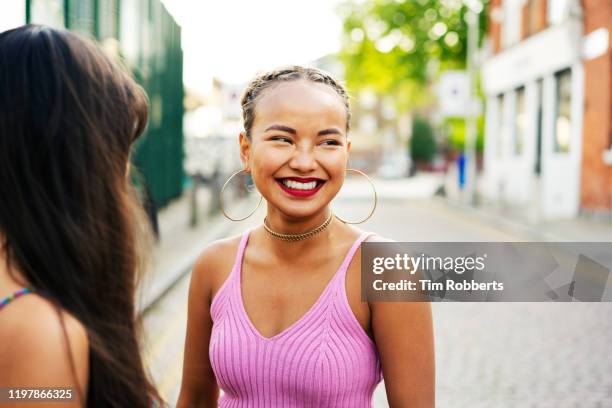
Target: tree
<point x="422" y="143"/>
<point x="397" y="47"/>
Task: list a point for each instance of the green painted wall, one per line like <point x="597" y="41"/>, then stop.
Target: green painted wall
<point x="145" y="36"/>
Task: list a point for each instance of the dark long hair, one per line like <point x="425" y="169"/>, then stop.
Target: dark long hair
<point x="68" y="118"/>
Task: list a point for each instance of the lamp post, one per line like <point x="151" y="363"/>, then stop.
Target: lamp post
<point x="472" y="18"/>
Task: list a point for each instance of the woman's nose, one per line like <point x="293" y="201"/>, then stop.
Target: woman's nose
<point x="303" y="160"/>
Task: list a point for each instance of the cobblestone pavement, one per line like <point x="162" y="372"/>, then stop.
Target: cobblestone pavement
<point x="523" y="354"/>
<point x="487" y="355"/>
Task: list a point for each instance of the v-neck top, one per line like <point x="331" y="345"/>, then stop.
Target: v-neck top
<point x="325" y="359"/>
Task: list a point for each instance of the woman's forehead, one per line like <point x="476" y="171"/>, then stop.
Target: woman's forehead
<point x="300" y="100"/>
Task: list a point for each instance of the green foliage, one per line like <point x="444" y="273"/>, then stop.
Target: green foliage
<point x="422" y="143"/>
<point x="397" y="47"/>
<point x="455" y="130"/>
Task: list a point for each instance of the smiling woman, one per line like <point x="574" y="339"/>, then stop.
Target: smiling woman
<point x="275" y="316"/>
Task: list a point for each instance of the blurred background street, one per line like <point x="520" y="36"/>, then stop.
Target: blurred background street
<point x="479" y="120"/>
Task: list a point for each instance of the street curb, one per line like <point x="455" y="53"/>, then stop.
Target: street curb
<point x="530" y="231"/>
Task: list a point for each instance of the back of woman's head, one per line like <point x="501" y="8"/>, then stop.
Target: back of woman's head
<point x="68" y="117"/>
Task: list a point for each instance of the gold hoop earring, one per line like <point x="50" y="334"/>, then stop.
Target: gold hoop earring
<point x="221" y="199"/>
<point x="375" y="200"/>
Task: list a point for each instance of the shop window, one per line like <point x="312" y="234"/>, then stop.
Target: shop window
<point x="538" y="147"/>
<point x="563" y="111"/>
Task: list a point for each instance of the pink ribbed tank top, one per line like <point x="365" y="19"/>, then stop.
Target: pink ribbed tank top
<point x="325" y="359"/>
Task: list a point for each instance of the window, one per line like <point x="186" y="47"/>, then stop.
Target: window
<point x="538" y="157"/>
<point x="520" y="122"/>
<point x="563" y="111"/>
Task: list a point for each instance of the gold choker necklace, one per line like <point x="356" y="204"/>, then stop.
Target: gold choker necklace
<point x="298" y="237"/>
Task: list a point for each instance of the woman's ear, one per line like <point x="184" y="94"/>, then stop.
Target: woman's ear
<point x="245" y="150"/>
<point x="348" y="150"/>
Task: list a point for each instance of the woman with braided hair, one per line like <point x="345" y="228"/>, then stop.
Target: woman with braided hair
<point x="275" y="317"/>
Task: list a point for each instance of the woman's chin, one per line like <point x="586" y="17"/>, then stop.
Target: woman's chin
<point x="298" y="210"/>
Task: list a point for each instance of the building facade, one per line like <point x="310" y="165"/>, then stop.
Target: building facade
<point x="548" y="106"/>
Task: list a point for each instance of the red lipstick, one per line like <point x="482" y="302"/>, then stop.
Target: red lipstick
<point x="301" y="193"/>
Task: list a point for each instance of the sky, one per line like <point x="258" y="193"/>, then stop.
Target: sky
<point x="234" y="39"/>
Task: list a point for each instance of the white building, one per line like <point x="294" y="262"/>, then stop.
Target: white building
<point x="534" y="86"/>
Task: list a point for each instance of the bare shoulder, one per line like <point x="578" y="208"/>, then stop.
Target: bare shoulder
<point x="38" y="337"/>
<point x="378" y="238"/>
<point x="213" y="265"/>
<point x="372" y="238"/>
<point x="217" y="253"/>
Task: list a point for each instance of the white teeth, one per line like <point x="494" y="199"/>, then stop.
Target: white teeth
<point x="299" y="186"/>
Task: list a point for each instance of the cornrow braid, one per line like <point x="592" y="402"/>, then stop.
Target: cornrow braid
<point x="285" y="74"/>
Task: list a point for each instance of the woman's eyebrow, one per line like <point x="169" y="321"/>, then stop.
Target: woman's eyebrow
<point x="330" y="131"/>
<point x="282" y="129"/>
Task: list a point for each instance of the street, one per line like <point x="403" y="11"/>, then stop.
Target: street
<point x="487" y="354"/>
